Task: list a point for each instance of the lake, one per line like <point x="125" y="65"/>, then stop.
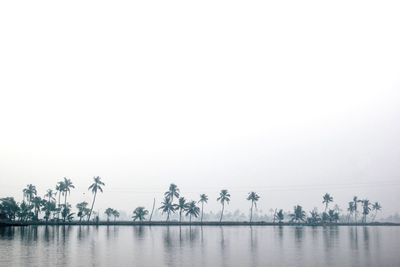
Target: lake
<point x="200" y="246"/>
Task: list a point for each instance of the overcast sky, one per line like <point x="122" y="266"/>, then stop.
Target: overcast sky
<point x="291" y="99"/>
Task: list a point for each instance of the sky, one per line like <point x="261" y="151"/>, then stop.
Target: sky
<point x="291" y="99"/>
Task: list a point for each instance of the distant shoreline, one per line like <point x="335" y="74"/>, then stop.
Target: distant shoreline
<point x="163" y="223"/>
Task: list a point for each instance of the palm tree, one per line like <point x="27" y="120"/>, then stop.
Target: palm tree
<point x="279" y="216"/>
<point x="37" y="203"/>
<point x="355" y="203"/>
<point x="167" y="207"/>
<point x="139" y="214"/>
<point x="82" y="210"/>
<point x="253" y="197"/>
<point x="224" y="196"/>
<point x="298" y="214"/>
<point x="182" y="205"/>
<point x="48" y="208"/>
<point x="314" y="217"/>
<point x="192" y="209"/>
<point x="115" y="213"/>
<point x="376" y="207"/>
<point x="173" y="191"/>
<point x="109" y="212"/>
<point x="366" y="209"/>
<point x="351" y="210"/>
<point x="50" y="195"/>
<point x="67" y="188"/>
<point x="203" y="199"/>
<point x="29" y="192"/>
<point x="326" y="200"/>
<point x="60" y="190"/>
<point x="96" y="186"/>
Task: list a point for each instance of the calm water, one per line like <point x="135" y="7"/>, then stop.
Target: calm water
<point x="199" y="246"/>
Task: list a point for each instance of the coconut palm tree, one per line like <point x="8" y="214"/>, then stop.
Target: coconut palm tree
<point x="67" y="185"/>
<point x="29" y="193"/>
<point x="355" y="203"/>
<point x="351" y="210"/>
<point x="139" y="214"/>
<point x="182" y="205"/>
<point x="50" y="195"/>
<point x="115" y="213"/>
<point x="333" y="216"/>
<point x="96" y="186"/>
<point x="37" y="203"/>
<point x="173" y="191"/>
<point x="326" y="200"/>
<point x="224" y="196"/>
<point x="279" y="216"/>
<point x="48" y="208"/>
<point x="203" y="199"/>
<point x="109" y="212"/>
<point x="167" y="207"/>
<point x="60" y="191"/>
<point x="376" y="207"/>
<point x="82" y="210"/>
<point x="192" y="210"/>
<point x="366" y="209"/>
<point x="253" y="197"/>
<point x="298" y="214"/>
<point x="314" y="217"/>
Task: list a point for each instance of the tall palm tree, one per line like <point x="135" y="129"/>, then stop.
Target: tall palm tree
<point x="67" y="188"/>
<point x="37" y="204"/>
<point x="279" y="216"/>
<point x="60" y="190"/>
<point x="29" y="193"/>
<point x="182" y="205"/>
<point x="167" y="207"/>
<point x="376" y="207"/>
<point x="96" y="186"/>
<point x="139" y="214"/>
<point x="351" y="210"/>
<point x="115" y="213"/>
<point x="224" y="196"/>
<point x="192" y="209"/>
<point x="173" y="191"/>
<point x="366" y="209"/>
<point x="355" y="203"/>
<point x="109" y="212"/>
<point x="298" y="214"/>
<point x="253" y="197"/>
<point x="50" y="195"/>
<point x="203" y="199"/>
<point x="326" y="200"/>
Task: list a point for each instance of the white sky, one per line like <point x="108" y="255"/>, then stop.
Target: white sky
<point x="291" y="99"/>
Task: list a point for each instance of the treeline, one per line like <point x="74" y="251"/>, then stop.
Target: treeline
<point x="55" y="207"/>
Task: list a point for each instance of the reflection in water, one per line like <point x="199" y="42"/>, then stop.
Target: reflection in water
<point x="199" y="246"/>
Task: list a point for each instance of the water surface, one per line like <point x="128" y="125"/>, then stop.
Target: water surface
<point x="199" y="246"/>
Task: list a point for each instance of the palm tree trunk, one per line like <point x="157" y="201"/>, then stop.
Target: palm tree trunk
<point x="91" y="209"/>
<point x="222" y="212"/>
<point x="59" y="202"/>
<point x="151" y="215"/>
<point x="202" y="207"/>
<point x="190" y="218"/>
<point x="168" y="216"/>
<point x="251" y="211"/>
<point x="180" y="215"/>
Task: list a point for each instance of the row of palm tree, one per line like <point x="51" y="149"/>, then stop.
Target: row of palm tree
<point x="173" y="201"/>
<point x="32" y="204"/>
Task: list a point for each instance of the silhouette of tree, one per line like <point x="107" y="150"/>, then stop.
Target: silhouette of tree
<point x="182" y="205"/>
<point x="351" y="209"/>
<point x="253" y="197"/>
<point x="224" y="196"/>
<point x="203" y="199"/>
<point x="29" y="193"/>
<point x="326" y="200"/>
<point x="96" y="186"/>
<point x="139" y="214"/>
<point x="192" y="210"/>
<point x="279" y="216"/>
<point x="67" y="185"/>
<point x="298" y="214"/>
<point x="167" y="207"/>
<point x="8" y="208"/>
<point x="83" y="210"/>
<point x="115" y="213"/>
<point x="366" y="209"/>
<point x="173" y="191"/>
<point x="314" y="217"/>
<point x="109" y="212"/>
<point x="376" y="207"/>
